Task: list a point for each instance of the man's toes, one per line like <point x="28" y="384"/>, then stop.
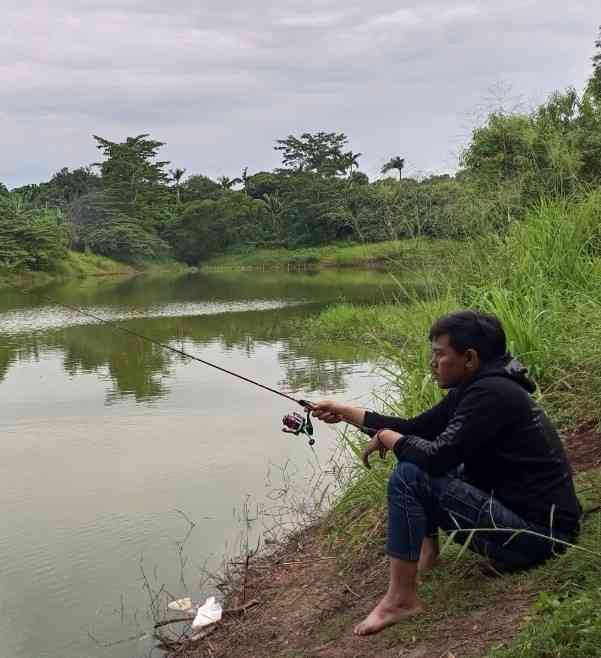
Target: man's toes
<point x="358" y="630"/>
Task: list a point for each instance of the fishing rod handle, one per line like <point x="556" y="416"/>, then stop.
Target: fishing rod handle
<point x="370" y="431"/>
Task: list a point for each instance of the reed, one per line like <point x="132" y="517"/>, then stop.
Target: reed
<point x="542" y="279"/>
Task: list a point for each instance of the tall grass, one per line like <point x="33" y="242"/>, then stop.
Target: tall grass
<point x="542" y="280"/>
<point x="390" y="254"/>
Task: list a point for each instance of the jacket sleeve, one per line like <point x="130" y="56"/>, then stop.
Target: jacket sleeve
<point x="427" y="425"/>
<point x="479" y="418"/>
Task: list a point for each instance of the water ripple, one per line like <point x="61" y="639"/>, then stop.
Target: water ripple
<point x="55" y="317"/>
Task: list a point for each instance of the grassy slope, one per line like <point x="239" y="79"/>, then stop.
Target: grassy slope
<point x="75" y="265"/>
<point x="393" y="253"/>
<point x="80" y="265"/>
<point x="543" y="281"/>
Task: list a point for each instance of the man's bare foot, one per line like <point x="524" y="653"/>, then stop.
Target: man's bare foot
<point x="385" y="614"/>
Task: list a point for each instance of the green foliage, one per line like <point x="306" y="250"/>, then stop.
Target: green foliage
<point x="206" y="227"/>
<point x="133" y="181"/>
<point x="99" y="225"/>
<point x="124" y="218"/>
<point x="200" y="188"/>
<point x="33" y="239"/>
<point x="319" y="153"/>
<point x="264" y="182"/>
<point x="124" y="238"/>
<point x="515" y="160"/>
<point x="565" y="628"/>
<point x="313" y="209"/>
<point x="62" y="189"/>
<point x="78" y="264"/>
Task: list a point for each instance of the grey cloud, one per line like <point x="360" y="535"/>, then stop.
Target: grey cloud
<point x="221" y="82"/>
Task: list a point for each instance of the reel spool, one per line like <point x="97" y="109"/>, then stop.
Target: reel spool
<point x="295" y="423"/>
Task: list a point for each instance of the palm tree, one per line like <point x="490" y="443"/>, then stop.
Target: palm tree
<point x="394" y="163"/>
<point x="353" y="160"/>
<point x="176" y="176"/>
<point x="244" y="179"/>
<point x="273" y="206"/>
<point x="227" y="183"/>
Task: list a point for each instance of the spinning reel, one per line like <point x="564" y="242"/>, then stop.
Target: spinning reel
<point x="295" y="423"/>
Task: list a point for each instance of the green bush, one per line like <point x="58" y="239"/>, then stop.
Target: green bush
<point x="30" y="239"/>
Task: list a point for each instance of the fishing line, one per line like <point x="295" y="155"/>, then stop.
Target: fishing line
<point x="114" y="325"/>
<point x="293" y="423"/>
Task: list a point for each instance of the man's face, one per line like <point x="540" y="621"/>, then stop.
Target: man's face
<point x="450" y="368"/>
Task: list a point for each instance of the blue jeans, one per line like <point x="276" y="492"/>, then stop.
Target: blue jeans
<point x="419" y="504"/>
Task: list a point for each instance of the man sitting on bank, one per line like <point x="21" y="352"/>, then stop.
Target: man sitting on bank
<point x="484" y="457"/>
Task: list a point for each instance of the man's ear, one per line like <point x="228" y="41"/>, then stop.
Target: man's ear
<point x="472" y="359"/>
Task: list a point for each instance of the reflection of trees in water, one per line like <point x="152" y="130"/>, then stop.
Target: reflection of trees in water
<point x="14" y="349"/>
<point x="318" y="366"/>
<point x="314" y="375"/>
<point x="8" y="356"/>
<point x="139" y="368"/>
<point x="135" y="366"/>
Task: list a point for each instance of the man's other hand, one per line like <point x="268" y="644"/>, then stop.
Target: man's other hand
<point x="328" y="411"/>
<point x="382" y="441"/>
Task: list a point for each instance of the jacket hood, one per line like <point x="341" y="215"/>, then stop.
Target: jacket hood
<point x="510" y="367"/>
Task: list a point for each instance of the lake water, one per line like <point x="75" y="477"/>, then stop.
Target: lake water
<point x="110" y="446"/>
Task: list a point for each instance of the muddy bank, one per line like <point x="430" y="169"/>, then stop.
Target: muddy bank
<point x="309" y="599"/>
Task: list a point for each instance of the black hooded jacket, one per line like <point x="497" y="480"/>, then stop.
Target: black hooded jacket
<point x="507" y="444"/>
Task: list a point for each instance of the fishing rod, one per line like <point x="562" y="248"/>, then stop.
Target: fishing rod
<point x="294" y="423"/>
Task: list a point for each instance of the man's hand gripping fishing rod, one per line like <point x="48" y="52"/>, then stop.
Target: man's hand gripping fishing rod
<point x="295" y="423"/>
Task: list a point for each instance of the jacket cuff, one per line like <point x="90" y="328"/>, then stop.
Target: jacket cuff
<point x="374" y="421"/>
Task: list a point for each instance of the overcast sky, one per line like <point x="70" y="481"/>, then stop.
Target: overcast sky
<point x="219" y="82"/>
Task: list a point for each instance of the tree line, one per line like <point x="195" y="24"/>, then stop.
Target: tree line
<point x="131" y="206"/>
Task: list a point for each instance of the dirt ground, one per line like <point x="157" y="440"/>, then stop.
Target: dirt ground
<point x="308" y="606"/>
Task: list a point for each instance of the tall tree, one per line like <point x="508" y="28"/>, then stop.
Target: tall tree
<point x="353" y="161"/>
<point x="135" y="202"/>
<point x="397" y="163"/>
<point x="131" y="173"/>
<point x="319" y="153"/>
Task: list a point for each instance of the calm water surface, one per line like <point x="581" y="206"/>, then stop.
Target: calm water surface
<point x="108" y="443"/>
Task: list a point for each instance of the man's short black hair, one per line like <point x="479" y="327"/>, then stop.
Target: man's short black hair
<point x="481" y="332"/>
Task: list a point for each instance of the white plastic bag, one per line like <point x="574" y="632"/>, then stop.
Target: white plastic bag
<point x="208" y="613"/>
<point x="183" y="605"/>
